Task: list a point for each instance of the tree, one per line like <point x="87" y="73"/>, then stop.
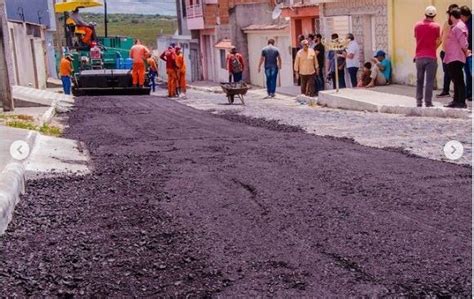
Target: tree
<point x="5" y="88"/>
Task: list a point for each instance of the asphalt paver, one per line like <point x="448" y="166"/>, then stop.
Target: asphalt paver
<point x="183" y="202"/>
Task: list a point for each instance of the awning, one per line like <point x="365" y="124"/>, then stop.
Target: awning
<point x="224" y="44"/>
<point x="73" y="4"/>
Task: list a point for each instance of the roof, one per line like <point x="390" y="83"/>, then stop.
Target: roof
<point x="224" y="44"/>
<point x="265" y="27"/>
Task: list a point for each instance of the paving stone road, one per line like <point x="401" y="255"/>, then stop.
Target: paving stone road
<point x="422" y="136"/>
<point x="182" y="202"/>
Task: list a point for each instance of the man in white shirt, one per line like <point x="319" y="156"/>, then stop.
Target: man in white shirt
<point x="352" y="59"/>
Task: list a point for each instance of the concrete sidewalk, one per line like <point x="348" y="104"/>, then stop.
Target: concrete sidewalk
<point x="42" y="105"/>
<point x="361" y="99"/>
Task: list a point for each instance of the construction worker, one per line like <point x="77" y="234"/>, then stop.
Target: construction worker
<point x="181" y="71"/>
<point x="170" y="57"/>
<point x="65" y="72"/>
<point x="81" y="26"/>
<point x="139" y="53"/>
<point x="152" y="71"/>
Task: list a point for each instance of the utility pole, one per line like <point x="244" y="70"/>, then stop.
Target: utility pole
<point x="5" y="88"/>
<point x="106" y="20"/>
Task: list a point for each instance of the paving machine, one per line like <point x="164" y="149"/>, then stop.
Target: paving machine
<point x="103" y="68"/>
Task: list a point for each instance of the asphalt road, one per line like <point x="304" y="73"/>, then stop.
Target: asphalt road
<point x="182" y="202"/>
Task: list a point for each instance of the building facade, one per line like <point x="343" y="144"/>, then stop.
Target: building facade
<point x="219" y="26"/>
<point x="188" y="44"/>
<point x="31" y="26"/>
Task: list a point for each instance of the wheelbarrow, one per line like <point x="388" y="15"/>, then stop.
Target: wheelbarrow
<point x="233" y="89"/>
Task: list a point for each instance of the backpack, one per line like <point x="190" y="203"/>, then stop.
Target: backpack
<point x="236" y="65"/>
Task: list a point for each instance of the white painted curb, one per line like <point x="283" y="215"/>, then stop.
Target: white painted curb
<point x="12" y="185"/>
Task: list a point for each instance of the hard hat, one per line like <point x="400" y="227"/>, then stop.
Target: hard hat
<point x="430" y="11"/>
<point x="69" y="56"/>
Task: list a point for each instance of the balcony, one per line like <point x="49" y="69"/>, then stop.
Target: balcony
<point x="194" y="17"/>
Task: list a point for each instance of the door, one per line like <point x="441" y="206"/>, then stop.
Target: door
<point x="194" y="65"/>
<point x="298" y="29"/>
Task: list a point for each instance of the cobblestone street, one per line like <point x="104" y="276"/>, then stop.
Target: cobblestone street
<point x="422" y="136"/>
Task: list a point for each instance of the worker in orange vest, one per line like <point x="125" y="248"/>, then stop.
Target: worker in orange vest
<point x="181" y="71"/>
<point x="139" y="54"/>
<point x="87" y="29"/>
<point x="152" y="71"/>
<point x="65" y="72"/>
<point x="170" y="57"/>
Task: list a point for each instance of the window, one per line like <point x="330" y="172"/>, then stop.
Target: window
<point x="223" y="57"/>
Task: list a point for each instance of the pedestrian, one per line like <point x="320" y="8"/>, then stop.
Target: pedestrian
<point x="181" y="72"/>
<point x="428" y="39"/>
<point x="152" y="71"/>
<point x="169" y="56"/>
<point x="352" y="59"/>
<point x="365" y="78"/>
<point x="444" y="34"/>
<point x="65" y="72"/>
<point x="456" y="52"/>
<point x="466" y="17"/>
<point x="272" y="59"/>
<point x="381" y="70"/>
<point x="320" y="54"/>
<point x="301" y="38"/>
<point x="341" y="61"/>
<point x="311" y="41"/>
<point x="235" y="65"/>
<point x="139" y="53"/>
<point x="306" y="66"/>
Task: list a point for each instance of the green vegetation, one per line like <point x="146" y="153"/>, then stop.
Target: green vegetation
<point x="26" y="122"/>
<point x="50" y="130"/>
<point x="20" y="124"/>
<point x="144" y="27"/>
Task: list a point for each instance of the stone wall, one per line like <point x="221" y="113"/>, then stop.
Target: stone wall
<point x="359" y="11"/>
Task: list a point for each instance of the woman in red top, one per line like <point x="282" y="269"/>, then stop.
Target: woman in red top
<point x="235" y="65"/>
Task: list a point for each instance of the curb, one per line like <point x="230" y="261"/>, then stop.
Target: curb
<point x="12" y="185"/>
<point x="342" y="102"/>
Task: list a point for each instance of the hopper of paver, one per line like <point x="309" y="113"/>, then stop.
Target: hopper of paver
<point x="106" y="82"/>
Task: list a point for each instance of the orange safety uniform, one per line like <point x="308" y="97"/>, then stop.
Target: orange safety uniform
<point x="170" y="57"/>
<point x="65" y="67"/>
<point x="138" y="53"/>
<point x="181" y="72"/>
<point x="87" y="39"/>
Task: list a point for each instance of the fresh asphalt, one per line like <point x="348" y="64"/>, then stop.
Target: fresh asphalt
<point x="183" y="202"/>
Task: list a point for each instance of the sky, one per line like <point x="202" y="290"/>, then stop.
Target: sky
<point x="152" y="7"/>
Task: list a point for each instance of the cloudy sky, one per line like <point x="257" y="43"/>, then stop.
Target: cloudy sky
<point x="162" y="7"/>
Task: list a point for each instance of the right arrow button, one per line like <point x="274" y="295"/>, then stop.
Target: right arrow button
<point x="453" y="150"/>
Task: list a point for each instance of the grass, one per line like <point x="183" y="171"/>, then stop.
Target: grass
<point x="19" y="124"/>
<point x="144" y="27"/>
<point x="26" y="122"/>
<point x="50" y="130"/>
